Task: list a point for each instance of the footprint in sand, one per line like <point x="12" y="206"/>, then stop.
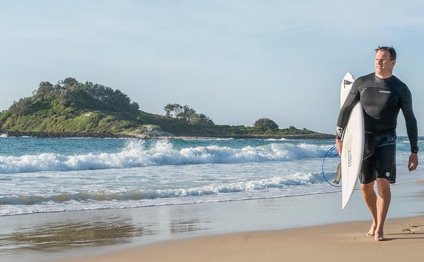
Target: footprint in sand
<point x="412" y="229"/>
<point x="407" y="230"/>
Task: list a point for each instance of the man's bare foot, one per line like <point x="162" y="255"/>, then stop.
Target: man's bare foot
<point x="371" y="232"/>
<point x="379" y="237"/>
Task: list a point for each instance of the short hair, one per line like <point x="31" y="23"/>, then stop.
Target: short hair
<point x="390" y="49"/>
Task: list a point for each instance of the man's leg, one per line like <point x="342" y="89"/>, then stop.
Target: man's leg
<point x="371" y="200"/>
<point x="383" y="202"/>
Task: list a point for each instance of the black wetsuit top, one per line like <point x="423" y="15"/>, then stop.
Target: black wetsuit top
<point x="381" y="100"/>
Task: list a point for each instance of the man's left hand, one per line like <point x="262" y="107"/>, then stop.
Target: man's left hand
<point x="413" y="161"/>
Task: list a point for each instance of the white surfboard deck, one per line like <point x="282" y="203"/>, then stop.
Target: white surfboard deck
<point x="353" y="143"/>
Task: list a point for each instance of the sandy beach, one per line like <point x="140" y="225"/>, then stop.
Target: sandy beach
<point x="335" y="241"/>
<point x="340" y="242"/>
<point x="299" y="228"/>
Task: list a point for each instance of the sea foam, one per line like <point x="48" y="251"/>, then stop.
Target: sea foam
<point x="137" y="154"/>
<point x="277" y="182"/>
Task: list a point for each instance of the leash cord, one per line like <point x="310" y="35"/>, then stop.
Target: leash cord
<point x="329" y="151"/>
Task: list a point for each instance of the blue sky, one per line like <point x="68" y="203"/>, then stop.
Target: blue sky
<point x="233" y="60"/>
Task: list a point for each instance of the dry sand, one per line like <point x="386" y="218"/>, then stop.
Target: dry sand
<point x="339" y="242"/>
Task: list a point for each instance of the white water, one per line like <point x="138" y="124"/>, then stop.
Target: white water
<point x="53" y="175"/>
<point x="136" y="154"/>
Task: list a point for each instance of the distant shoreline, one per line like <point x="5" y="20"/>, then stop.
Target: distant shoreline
<point x="111" y="135"/>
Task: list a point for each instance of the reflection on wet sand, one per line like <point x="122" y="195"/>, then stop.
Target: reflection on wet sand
<point x="62" y="235"/>
<point x="53" y="234"/>
<point x="185" y="226"/>
<point x="37" y="237"/>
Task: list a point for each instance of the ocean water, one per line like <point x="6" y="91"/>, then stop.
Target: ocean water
<point x="40" y="175"/>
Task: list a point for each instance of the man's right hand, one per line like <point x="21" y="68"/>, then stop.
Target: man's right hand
<point x="339" y="146"/>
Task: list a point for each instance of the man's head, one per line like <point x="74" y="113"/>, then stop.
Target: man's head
<point x="385" y="60"/>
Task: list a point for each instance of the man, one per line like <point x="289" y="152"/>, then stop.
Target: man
<point x="382" y="96"/>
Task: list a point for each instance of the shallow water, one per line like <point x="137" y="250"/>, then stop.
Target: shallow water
<point x="39" y="175"/>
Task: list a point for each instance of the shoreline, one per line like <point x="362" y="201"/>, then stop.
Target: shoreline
<point x="76" y="235"/>
<point x="339" y="242"/>
<point x="107" y="135"/>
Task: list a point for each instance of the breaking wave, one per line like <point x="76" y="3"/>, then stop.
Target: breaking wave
<point x="137" y="154"/>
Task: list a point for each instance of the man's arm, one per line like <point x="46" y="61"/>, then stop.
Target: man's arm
<point x="411" y="128"/>
<point x="350" y="102"/>
<point x="347" y="107"/>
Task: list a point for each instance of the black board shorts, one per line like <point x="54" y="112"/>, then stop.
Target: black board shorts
<point x="379" y="159"/>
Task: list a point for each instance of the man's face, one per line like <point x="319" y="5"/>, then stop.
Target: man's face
<point x="383" y="63"/>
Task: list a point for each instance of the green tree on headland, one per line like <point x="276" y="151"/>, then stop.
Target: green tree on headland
<point x="72" y="108"/>
<point x="69" y="93"/>
<point x="187" y="114"/>
<point x="264" y="124"/>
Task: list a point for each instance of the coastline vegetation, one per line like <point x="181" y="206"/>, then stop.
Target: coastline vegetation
<point x="71" y="108"/>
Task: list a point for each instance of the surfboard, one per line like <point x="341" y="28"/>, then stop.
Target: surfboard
<point x="353" y="143"/>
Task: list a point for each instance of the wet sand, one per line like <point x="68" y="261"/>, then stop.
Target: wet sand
<point x="340" y="242"/>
